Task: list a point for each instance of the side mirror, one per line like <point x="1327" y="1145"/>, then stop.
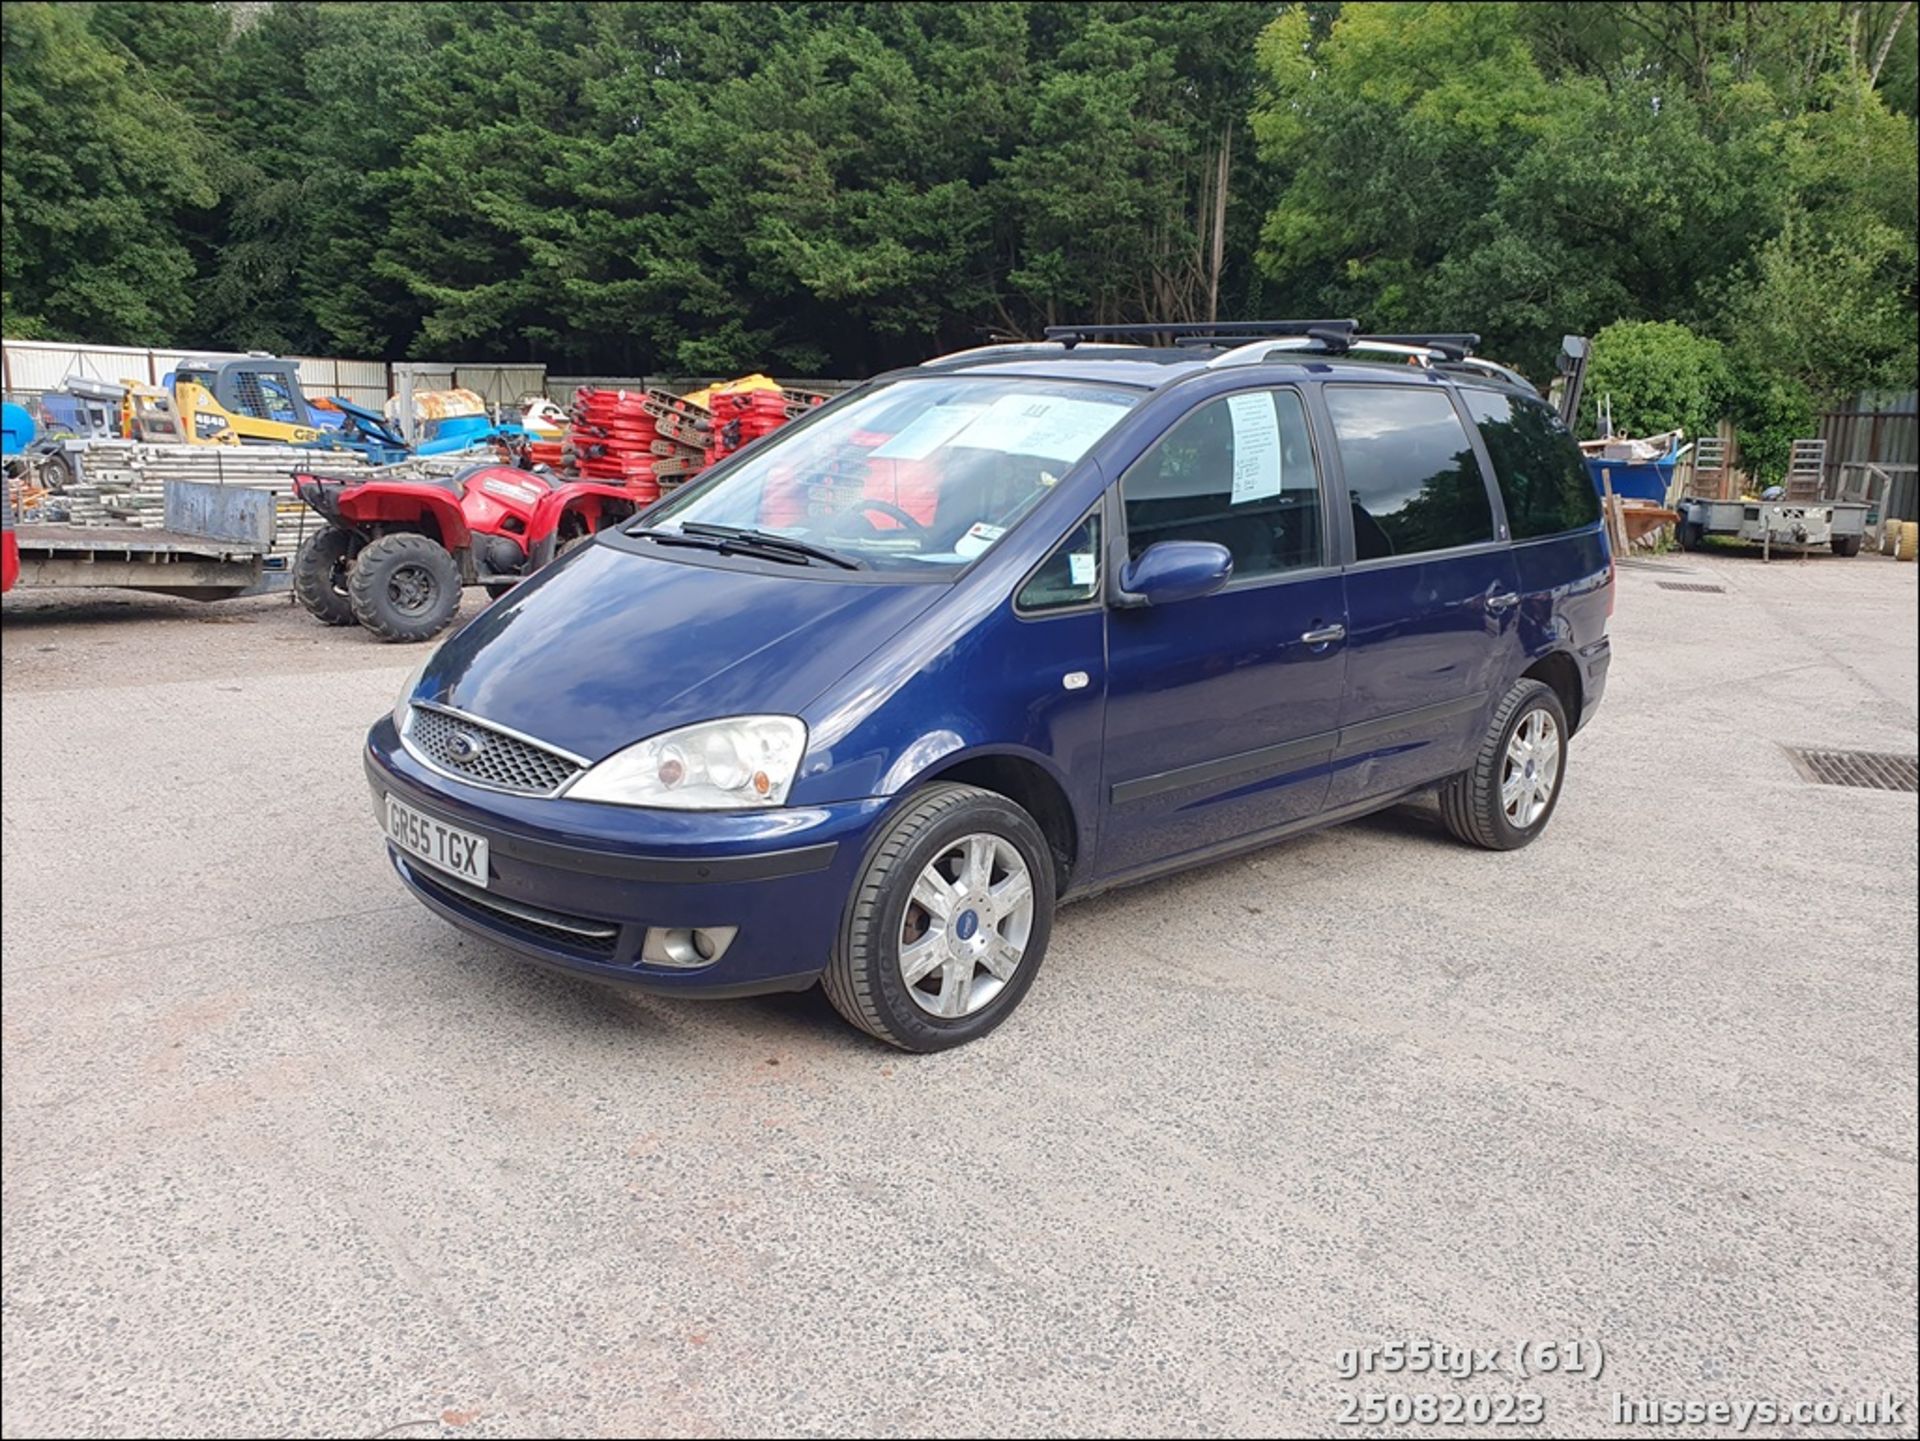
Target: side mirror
<point x="1171" y="570"/>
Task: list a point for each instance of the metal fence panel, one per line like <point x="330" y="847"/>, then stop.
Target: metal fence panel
<point x="364" y="382"/>
<point x="1877" y="429"/>
<point x="34" y="367"/>
<point x="502" y="385"/>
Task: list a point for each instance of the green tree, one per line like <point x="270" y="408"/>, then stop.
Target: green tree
<point x="1657" y="376"/>
<point x="1521" y="171"/>
<point x="842" y="187"/>
<point x="99" y="175"/>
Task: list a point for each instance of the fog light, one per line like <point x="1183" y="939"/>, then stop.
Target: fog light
<point x="686" y="946"/>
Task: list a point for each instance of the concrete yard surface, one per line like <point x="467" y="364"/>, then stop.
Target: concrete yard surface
<point x="287" y="1156"/>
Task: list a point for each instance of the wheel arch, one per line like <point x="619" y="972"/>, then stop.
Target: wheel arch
<point x="1025" y="780"/>
<point x="387" y="507"/>
<point x="1561" y="673"/>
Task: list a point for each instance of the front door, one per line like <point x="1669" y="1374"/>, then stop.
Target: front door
<point x="1223" y="711"/>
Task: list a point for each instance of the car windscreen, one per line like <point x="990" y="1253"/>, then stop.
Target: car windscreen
<point x="919" y="475"/>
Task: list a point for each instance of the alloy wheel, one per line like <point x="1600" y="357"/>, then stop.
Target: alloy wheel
<point x="966" y="926"/>
<point x="1532" y="769"/>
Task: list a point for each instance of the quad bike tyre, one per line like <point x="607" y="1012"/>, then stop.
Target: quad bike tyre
<point x="574" y="532"/>
<point x="320" y="575"/>
<point x="404" y="587"/>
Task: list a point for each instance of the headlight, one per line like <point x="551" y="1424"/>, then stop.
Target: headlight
<point x="407" y="688"/>
<point x="722" y="765"/>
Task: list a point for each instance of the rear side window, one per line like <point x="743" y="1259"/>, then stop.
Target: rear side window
<point x="1412" y="478"/>
<point x="1536" y="463"/>
<point x="1239" y="472"/>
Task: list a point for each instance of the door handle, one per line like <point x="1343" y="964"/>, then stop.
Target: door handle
<point x="1326" y="635"/>
<point x="1504" y="600"/>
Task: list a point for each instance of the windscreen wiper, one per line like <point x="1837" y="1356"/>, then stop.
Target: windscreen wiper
<point x="766" y="540"/>
<point x="722" y="544"/>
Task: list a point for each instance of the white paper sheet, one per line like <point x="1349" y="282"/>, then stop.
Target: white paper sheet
<point x="1256" y="447"/>
<point x="928" y="432"/>
<point x="1055" y="427"/>
<point x="1080" y="568"/>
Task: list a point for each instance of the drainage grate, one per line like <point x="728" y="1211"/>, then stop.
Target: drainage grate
<point x="1699" y="587"/>
<point x="1864" y="770"/>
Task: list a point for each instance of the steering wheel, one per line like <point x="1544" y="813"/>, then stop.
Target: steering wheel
<point x="886" y="508"/>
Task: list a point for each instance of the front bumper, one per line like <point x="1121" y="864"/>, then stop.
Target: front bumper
<point x="575" y="884"/>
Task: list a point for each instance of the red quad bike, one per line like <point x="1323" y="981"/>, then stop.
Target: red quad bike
<point x="395" y="553"/>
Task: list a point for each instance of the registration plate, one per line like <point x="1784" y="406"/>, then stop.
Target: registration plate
<point x="444" y="847"/>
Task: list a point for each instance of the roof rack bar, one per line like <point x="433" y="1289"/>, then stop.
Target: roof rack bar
<point x="1070" y="335"/>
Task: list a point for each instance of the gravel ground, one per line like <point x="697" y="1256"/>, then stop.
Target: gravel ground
<point x="284" y="1155"/>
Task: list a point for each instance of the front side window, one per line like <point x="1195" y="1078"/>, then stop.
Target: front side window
<point x="1536" y="464"/>
<point x="1068" y="577"/>
<point x="1412" y="479"/>
<point x="922" y="476"/>
<point x="1239" y="472"/>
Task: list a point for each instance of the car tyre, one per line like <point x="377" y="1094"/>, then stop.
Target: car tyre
<point x="989" y="943"/>
<point x="1504" y="800"/>
<point x="1846" y="545"/>
<point x="320" y="575"/>
<point x="404" y="587"/>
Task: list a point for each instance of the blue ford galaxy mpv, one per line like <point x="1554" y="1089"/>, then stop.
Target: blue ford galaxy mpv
<point x="865" y="702"/>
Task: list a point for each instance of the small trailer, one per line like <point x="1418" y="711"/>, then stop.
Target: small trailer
<point x="1795" y="516"/>
<point x="215" y="545"/>
<point x="1789" y="524"/>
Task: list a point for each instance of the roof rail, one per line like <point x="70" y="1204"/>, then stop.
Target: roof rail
<point x="1006" y="347"/>
<point x="1488" y="367"/>
<point x="1454" y="345"/>
<point x="1071" y="335"/>
<point x="1256" y="351"/>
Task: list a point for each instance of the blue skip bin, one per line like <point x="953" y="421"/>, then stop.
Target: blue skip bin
<point x="1636" y="469"/>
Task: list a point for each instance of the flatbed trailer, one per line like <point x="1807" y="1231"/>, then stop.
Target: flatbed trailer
<point x="1838" y="525"/>
<point x="217" y="544"/>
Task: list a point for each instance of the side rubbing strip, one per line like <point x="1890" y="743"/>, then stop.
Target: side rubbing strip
<point x="1387" y="725"/>
<point x="1315" y="747"/>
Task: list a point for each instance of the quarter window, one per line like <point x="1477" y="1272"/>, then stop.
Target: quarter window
<point x="1536" y="464"/>
<point x="1412" y="479"/>
<point x="1239" y="472"/>
<point x="1068" y="577"/>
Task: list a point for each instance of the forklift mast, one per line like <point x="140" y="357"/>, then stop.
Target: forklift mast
<point x="1571" y="379"/>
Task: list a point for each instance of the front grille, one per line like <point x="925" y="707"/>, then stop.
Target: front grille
<point x="575" y="933"/>
<point x="477" y="752"/>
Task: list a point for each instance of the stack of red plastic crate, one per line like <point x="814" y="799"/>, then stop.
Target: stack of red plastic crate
<point x="611" y="437"/>
<point x="744" y="416"/>
<point x="550" y="453"/>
